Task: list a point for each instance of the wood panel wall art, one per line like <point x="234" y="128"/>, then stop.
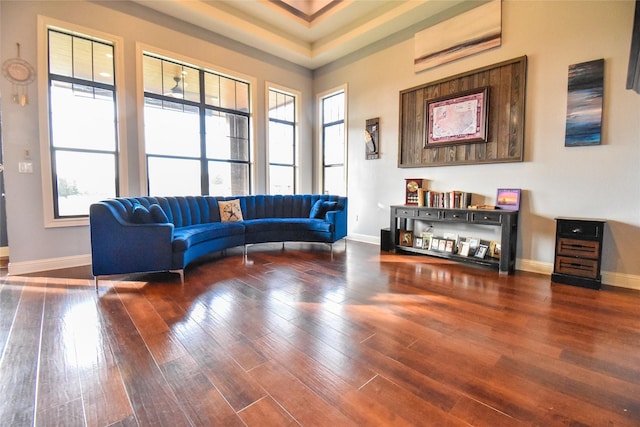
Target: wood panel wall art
<point x="505" y="142"/>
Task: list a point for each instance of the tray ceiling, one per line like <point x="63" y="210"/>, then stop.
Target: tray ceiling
<point x="311" y="33"/>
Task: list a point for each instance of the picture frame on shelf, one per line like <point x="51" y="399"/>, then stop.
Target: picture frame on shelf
<point x="418" y="242"/>
<point x="449" y="246"/>
<point x="442" y="245"/>
<point x="464" y="249"/>
<point x="482" y="251"/>
<point x="426" y="239"/>
<point x="473" y="245"/>
<point x="435" y="243"/>
<point x="406" y="238"/>
<point x="508" y="199"/>
<point x="494" y="250"/>
<point x="457" y="119"/>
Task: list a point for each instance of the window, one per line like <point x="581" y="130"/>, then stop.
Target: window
<point x="282" y="142"/>
<point x="83" y="137"/>
<point x="333" y="143"/>
<point x="196" y="130"/>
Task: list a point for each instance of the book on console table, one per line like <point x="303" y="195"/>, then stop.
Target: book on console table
<point x="449" y="200"/>
<point x="483" y="207"/>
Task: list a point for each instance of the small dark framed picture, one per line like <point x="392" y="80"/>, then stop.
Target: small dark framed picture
<point x="508" y="199"/>
<point x="406" y="238"/>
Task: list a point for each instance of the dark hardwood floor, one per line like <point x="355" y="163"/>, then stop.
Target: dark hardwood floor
<point x="298" y="337"/>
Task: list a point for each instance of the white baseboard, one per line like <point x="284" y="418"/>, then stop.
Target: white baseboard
<point x="25" y="267"/>
<point x="609" y="278"/>
<point x="364" y="238"/>
<point x="621" y="280"/>
<point x="629" y="281"/>
<point x="534" y="266"/>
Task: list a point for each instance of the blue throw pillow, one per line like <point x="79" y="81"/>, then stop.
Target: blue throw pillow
<point x="141" y="215"/>
<point x="320" y="209"/>
<point x="158" y="214"/>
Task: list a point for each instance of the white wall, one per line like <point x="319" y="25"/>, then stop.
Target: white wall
<point x="34" y="247"/>
<point x="592" y="182"/>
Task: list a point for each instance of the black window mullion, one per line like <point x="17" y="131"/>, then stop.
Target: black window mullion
<point x="325" y="126"/>
<point x="83" y="82"/>
<point x="204" y="163"/>
<point x="92" y="86"/>
<point x="281" y="121"/>
<point x="204" y="108"/>
<point x="283" y="98"/>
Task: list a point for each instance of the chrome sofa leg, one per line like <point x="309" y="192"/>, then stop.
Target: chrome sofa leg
<point x="179" y="272"/>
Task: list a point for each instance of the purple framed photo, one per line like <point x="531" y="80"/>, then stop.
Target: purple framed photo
<point x="508" y="199"/>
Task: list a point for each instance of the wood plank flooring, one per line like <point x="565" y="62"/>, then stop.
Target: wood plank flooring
<point x="300" y="337"/>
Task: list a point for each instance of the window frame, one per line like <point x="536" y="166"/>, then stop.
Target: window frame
<point x="296" y="135"/>
<point x="145" y="49"/>
<point x="320" y="137"/>
<point x="47" y="167"/>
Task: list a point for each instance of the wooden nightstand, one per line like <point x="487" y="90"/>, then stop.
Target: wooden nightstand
<point x="578" y="255"/>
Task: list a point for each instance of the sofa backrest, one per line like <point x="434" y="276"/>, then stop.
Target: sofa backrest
<point x="183" y="211"/>
<point x="280" y="206"/>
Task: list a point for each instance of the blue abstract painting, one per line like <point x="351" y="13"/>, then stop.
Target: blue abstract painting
<point x="584" y="104"/>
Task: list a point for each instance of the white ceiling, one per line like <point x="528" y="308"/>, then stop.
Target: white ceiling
<point x="303" y="36"/>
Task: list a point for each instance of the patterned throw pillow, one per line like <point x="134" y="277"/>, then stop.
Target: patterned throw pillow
<point x="230" y="211"/>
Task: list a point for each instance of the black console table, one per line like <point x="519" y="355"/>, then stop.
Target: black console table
<point x="403" y="216"/>
<point x="578" y="252"/>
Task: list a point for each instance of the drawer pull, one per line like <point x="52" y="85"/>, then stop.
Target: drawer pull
<point x="485" y="217"/>
<point x="577" y="230"/>
<point x="456" y="216"/>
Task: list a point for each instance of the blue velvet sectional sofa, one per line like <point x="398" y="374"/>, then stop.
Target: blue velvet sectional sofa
<point x="148" y="234"/>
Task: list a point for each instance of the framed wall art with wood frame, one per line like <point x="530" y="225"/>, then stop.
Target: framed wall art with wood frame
<point x="457" y="119"/>
<point x="505" y="116"/>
